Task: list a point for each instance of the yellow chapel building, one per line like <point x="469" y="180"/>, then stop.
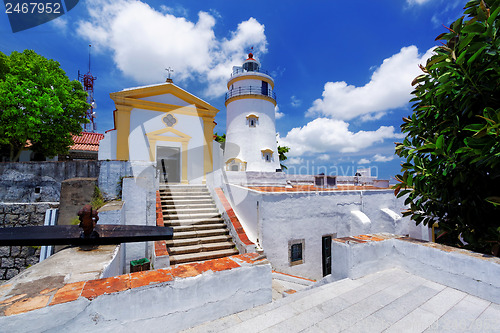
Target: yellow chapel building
<point x="165" y="125"/>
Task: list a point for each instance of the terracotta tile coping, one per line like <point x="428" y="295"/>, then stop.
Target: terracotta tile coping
<point x="380" y="237"/>
<point x="234" y="219"/>
<point x="365" y="238"/>
<point x="294" y="276"/>
<point x="312" y="188"/>
<point x="11" y="304"/>
<point x="160" y="246"/>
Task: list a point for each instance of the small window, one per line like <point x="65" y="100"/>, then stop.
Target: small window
<point x="252" y="122"/>
<point x="267" y="154"/>
<point x="295" y="252"/>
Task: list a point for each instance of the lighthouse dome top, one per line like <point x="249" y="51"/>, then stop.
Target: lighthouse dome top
<point x="251" y="65"/>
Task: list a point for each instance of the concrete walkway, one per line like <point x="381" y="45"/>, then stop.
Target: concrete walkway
<point x="387" y="301"/>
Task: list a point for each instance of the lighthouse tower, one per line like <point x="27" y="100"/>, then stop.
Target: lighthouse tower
<point x="250" y="125"/>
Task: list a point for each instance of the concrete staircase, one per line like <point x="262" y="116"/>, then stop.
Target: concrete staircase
<point x="199" y="231"/>
<point x="387" y="301"/>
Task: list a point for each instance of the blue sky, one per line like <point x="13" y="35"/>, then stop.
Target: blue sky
<point x="342" y="69"/>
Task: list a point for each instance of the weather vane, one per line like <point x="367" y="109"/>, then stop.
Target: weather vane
<point x="169" y="70"/>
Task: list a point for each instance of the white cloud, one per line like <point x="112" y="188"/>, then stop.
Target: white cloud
<point x="363" y="161"/>
<point x="417" y="2"/>
<point x="177" y="10"/>
<point x="381" y="158"/>
<point x="323" y="135"/>
<point x="295" y="102"/>
<point x="277" y="113"/>
<point x="389" y="88"/>
<point x="294" y="161"/>
<point x="61" y="24"/>
<point x="324" y="157"/>
<point x="145" y="41"/>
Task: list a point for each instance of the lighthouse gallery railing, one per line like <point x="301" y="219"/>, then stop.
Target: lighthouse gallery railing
<point x="250" y="91"/>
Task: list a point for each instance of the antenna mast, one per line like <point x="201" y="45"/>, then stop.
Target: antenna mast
<point x="88" y="85"/>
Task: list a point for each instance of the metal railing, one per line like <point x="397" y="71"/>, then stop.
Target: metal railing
<point x="250" y="91"/>
<point x="240" y="70"/>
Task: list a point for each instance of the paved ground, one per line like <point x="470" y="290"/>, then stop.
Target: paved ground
<point x="387" y="301"/>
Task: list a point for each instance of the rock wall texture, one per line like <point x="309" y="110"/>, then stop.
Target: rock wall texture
<point x="14" y="259"/>
<point x="41" y="181"/>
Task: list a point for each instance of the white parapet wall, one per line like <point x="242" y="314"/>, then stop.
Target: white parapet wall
<point x="275" y="220"/>
<point x="164" y="300"/>
<point x="139" y="197"/>
<point x="474" y="273"/>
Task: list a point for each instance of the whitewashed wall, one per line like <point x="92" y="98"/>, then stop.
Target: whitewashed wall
<point x="166" y="99"/>
<point x="282" y="217"/>
<point x="107" y="146"/>
<point x="146" y="121"/>
<point x="163" y="307"/>
<point x="245" y="142"/>
<point x="460" y="269"/>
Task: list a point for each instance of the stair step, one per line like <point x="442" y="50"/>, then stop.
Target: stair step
<point x="183" y="188"/>
<point x="171" y="223"/>
<point x="192" y="241"/>
<point x="195" y="227"/>
<point x="193" y="257"/>
<point x="200" y="233"/>
<point x="175" y="211"/>
<point x="186" y="201"/>
<point x="190" y="216"/>
<point x="189" y="206"/>
<point x="182" y="195"/>
<point x="200" y="248"/>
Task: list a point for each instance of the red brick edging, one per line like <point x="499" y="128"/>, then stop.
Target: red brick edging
<point x="160" y="246"/>
<point x="91" y="289"/>
<point x="234" y="219"/>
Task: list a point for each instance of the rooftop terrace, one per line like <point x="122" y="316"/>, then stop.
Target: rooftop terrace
<point x="388" y="301"/>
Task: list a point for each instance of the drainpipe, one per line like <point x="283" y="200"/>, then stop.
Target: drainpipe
<point x="50" y="219"/>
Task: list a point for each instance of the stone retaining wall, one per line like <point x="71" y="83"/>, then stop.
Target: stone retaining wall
<point x="41" y="181"/>
<point x="14" y="259"/>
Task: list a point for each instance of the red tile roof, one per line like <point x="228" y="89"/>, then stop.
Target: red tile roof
<point x="87" y="141"/>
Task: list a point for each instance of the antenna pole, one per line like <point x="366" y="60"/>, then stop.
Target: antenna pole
<point x="90" y="45"/>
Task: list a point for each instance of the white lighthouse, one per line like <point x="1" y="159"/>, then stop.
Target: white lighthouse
<point x="250" y="126"/>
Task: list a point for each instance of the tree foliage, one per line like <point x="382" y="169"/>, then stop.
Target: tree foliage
<point x="220" y="138"/>
<point x="39" y="105"/>
<point x="452" y="149"/>
<point x="282" y="150"/>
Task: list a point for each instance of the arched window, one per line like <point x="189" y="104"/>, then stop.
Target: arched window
<point x="235" y="164"/>
<point x="252" y="120"/>
<point x="267" y="154"/>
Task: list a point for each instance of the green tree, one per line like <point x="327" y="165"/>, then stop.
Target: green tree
<point x="282" y="150"/>
<point x="220" y="138"/>
<point x="452" y="146"/>
<point x="39" y="105"/>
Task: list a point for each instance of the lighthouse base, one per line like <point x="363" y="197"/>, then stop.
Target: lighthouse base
<point x="255" y="178"/>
